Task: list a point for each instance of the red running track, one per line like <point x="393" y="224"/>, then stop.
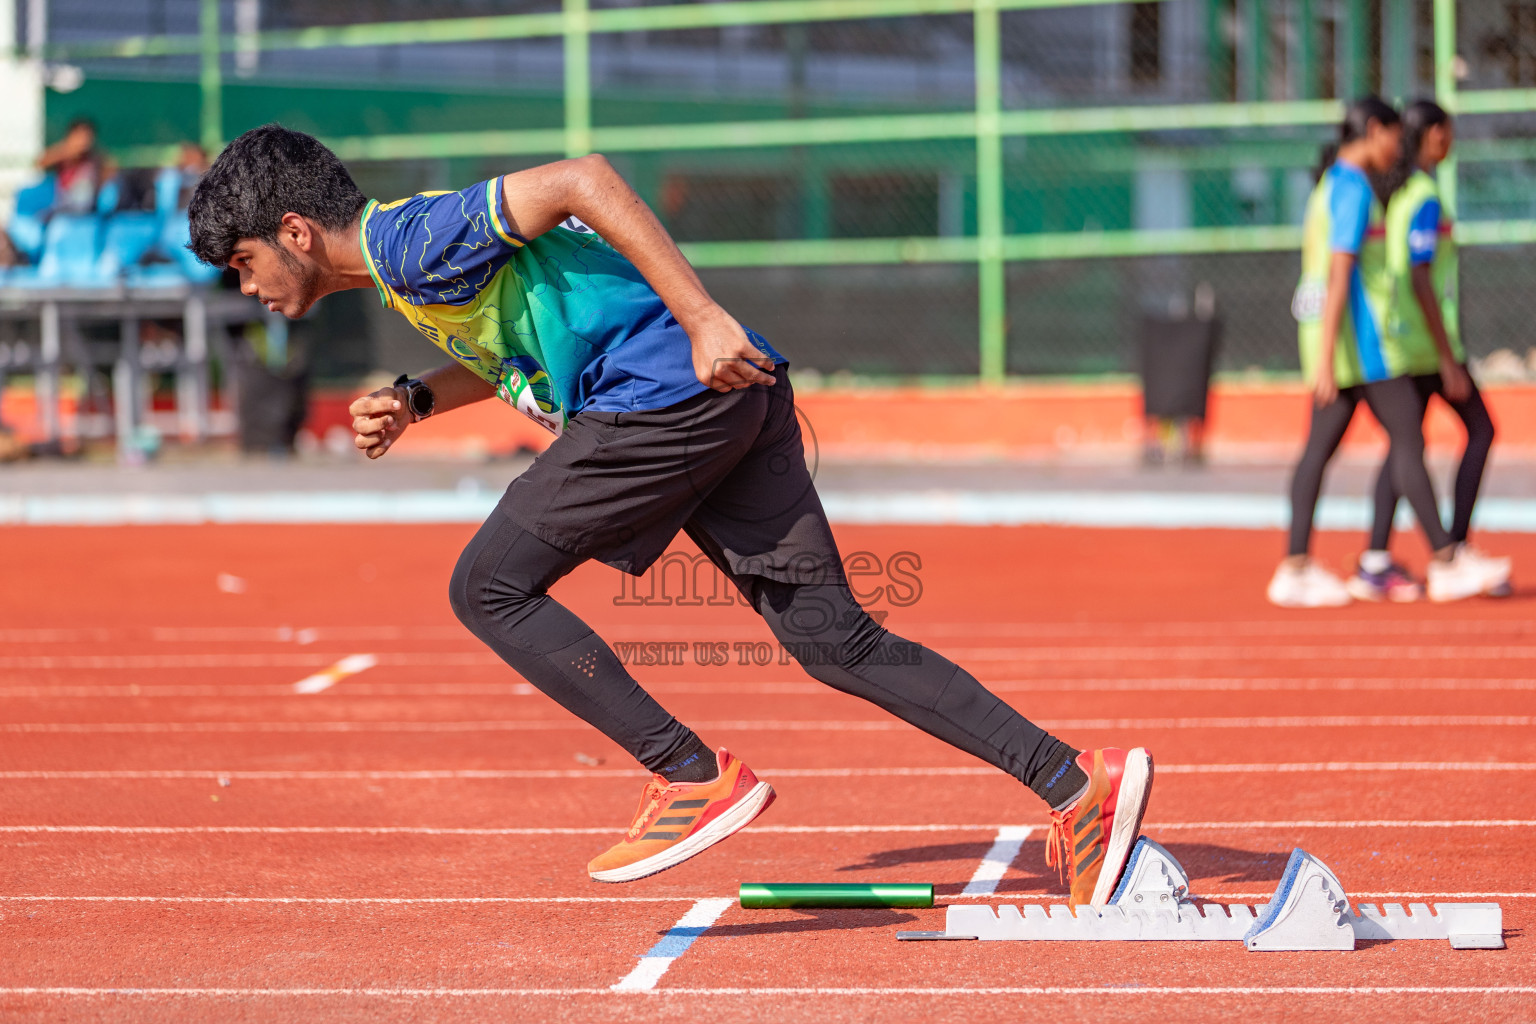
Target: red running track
<point x="185" y="837"/>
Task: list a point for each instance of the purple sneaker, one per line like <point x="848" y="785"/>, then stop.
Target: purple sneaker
<point x="1394" y="584"/>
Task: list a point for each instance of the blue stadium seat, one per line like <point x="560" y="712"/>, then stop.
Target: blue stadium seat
<point x="129" y="238"/>
<point x="167" y="191"/>
<point x="173" y="244"/>
<point x="27" y="226"/>
<point x="71" y="249"/>
<point x="108" y="196"/>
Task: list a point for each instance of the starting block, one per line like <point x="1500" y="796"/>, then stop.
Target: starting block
<point x="1309" y="910"/>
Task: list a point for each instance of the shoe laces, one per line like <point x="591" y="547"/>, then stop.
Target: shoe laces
<point x="650" y="802"/>
<point x="1056" y="843"/>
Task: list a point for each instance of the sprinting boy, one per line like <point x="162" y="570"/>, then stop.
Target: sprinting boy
<point x="557" y="291"/>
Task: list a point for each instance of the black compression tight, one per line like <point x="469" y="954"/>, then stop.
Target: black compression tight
<point x="1397" y="407"/>
<point x="499" y="591"/>
<point x="1469" y="475"/>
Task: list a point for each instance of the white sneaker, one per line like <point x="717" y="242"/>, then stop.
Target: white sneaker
<point x="1468" y="574"/>
<point x="1306" y="586"/>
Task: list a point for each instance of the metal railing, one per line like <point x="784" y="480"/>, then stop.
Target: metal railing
<point x="990" y="249"/>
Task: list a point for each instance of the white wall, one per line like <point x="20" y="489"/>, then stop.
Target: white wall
<point x="21" y="115"/>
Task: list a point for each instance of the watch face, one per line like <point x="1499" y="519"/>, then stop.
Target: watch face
<point x="421" y="400"/>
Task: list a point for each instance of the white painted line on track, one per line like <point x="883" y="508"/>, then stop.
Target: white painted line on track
<point x="994" y="864"/>
<point x="769" y="725"/>
<point x="432" y="830"/>
<point x="351" y="665"/>
<point x="1086" y="653"/>
<point x="361" y="900"/>
<point x="1259" y="897"/>
<point x="937" y="773"/>
<point x="674" y="944"/>
<point x="1322" y="683"/>
<point x="502" y="993"/>
<point x="1263" y="897"/>
<point x="1279" y="652"/>
<point x="677" y="627"/>
<point x="735" y="689"/>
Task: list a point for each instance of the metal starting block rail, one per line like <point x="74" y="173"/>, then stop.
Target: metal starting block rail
<point x="1309" y="910"/>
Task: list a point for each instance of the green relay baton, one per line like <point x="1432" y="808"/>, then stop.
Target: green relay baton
<point x="779" y="895"/>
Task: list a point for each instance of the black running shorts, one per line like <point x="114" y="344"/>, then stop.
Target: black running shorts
<point x="729" y="468"/>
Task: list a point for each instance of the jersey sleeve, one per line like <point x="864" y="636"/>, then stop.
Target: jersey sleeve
<point x="1424" y="233"/>
<point x="441" y="247"/>
<point x="1350" y="211"/>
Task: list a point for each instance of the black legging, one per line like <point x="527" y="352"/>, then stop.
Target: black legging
<point x="1397" y="407"/>
<point x="1469" y="475"/>
<point x="499" y="592"/>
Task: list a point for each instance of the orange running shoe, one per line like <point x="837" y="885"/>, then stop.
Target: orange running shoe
<point x="677" y="820"/>
<point x="1095" y="836"/>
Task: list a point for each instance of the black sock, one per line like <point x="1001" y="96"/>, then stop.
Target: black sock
<point x="690" y="761"/>
<point x="1061" y="780"/>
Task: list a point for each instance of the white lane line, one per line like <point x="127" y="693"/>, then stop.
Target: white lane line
<point x="997" y="859"/>
<point x="680" y="629"/>
<point x="351" y="665"/>
<point x="1277" y="652"/>
<point x="674" y="944"/>
<point x="1041" y="685"/>
<point x="769" y="725"/>
<point x="471" y="900"/>
<point x="503" y="993"/>
<point x="1086" y="653"/>
<point x="1322" y="683"/>
<point x="347" y="900"/>
<point x="937" y="774"/>
<point x="432" y="830"/>
<point x="228" y="691"/>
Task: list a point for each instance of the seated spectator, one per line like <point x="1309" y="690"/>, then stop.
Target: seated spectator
<point x="77" y="168"/>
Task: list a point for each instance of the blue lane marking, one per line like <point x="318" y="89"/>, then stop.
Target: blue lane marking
<point x="676" y="942"/>
<point x="1108" y="509"/>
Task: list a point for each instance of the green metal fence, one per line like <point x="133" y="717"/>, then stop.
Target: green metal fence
<point x="991" y="238"/>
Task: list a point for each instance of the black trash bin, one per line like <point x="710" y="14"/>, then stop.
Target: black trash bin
<point x="1177" y="355"/>
<point x="272" y="390"/>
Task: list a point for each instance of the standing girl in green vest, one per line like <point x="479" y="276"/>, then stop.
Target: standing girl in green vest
<point x="1348" y="355"/>
<point x="1421" y="258"/>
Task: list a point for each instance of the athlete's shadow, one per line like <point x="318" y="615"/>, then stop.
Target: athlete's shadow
<point x="1208" y="864"/>
<point x="818" y="921"/>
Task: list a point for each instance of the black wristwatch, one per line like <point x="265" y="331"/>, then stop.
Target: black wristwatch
<point x="418" y="397"/>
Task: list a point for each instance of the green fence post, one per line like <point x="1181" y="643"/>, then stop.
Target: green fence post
<point x="1215" y="51"/>
<point x="1397" y="81"/>
<point x="210" y="80"/>
<point x="991" y="276"/>
<point x="578" y="78"/>
<point x="1357" y="49"/>
<point x="1445" y="90"/>
<point x="1306" y="51"/>
<point x="1254" y="69"/>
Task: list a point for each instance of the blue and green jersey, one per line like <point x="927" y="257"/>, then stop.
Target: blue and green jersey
<point x="1419" y="233"/>
<point x="558" y="324"/>
<point x="1343" y="215"/>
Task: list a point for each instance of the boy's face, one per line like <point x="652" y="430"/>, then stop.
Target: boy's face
<point x="282" y="276"/>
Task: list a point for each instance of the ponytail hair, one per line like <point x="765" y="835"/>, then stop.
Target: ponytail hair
<point x="1418" y="117"/>
<point x="1357" y="122"/>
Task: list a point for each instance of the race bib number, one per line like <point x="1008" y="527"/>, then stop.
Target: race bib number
<point x="515" y="391"/>
<point x="1307" y="303"/>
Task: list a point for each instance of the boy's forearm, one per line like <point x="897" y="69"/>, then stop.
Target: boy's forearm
<point x="454" y="386"/>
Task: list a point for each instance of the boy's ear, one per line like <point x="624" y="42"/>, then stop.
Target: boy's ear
<point x="297" y="229"/>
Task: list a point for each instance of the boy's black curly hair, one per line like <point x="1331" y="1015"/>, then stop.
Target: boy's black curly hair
<point x="265" y="173"/>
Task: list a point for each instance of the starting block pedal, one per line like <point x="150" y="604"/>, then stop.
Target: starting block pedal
<point x="1310" y="910"/>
